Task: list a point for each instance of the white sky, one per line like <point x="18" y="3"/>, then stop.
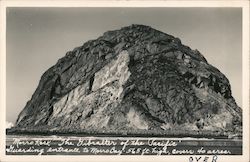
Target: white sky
<point x="38" y="37"/>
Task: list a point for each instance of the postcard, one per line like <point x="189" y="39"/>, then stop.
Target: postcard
<point x="125" y="81"/>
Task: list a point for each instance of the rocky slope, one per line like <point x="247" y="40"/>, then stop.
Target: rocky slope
<point x="135" y="79"/>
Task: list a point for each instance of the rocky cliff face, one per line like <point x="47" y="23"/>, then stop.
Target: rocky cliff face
<point x="135" y="79"/>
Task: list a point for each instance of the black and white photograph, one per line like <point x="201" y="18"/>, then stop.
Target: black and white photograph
<point x="135" y="81"/>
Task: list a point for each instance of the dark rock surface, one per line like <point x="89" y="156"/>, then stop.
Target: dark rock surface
<point x="135" y="79"/>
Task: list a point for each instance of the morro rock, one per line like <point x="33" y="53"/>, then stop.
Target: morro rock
<point x="136" y="80"/>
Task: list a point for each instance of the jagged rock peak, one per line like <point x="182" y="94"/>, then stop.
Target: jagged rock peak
<point x="133" y="80"/>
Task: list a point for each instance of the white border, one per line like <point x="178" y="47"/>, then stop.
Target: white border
<point x="183" y="158"/>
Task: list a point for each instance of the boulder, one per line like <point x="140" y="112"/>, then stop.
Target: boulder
<point x="136" y="80"/>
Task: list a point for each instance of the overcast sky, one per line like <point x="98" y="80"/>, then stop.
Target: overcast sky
<point x="38" y="37"/>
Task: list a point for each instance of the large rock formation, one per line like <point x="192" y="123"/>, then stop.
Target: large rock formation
<point x="132" y="80"/>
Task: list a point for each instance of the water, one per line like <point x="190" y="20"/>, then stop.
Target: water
<point x="91" y="145"/>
